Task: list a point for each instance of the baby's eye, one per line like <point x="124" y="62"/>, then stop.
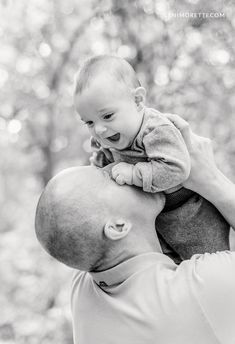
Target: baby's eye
<point x="89" y="124"/>
<point x="108" y="116"/>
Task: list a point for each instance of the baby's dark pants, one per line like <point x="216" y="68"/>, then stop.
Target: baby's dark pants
<point x="189" y="224"/>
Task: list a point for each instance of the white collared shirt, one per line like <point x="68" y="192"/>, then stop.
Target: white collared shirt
<point x="148" y="299"/>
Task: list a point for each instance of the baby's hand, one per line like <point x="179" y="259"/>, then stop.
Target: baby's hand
<point x="92" y="159"/>
<point x="122" y="173"/>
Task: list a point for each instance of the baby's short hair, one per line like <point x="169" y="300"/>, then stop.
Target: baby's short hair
<point x="115" y="66"/>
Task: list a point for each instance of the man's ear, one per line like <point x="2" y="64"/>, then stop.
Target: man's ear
<point x="116" y="230"/>
<point x="140" y="96"/>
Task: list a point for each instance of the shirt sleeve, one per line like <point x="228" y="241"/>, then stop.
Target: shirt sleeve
<point x="217" y="292"/>
<point x="169" y="160"/>
<point x="101" y="157"/>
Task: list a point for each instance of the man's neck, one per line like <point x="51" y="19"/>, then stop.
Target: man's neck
<point x="118" y="256"/>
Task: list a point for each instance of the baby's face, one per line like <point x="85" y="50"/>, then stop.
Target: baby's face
<point x="109" y="112"/>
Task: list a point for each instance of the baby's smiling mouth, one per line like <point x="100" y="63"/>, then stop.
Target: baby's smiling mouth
<point x="113" y="138"/>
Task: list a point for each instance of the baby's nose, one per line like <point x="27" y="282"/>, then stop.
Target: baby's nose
<point x="100" y="129"/>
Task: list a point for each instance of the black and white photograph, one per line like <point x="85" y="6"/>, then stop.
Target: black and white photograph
<point x="117" y="183"/>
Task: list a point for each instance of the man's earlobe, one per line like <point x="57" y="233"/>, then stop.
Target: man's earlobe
<point x="116" y="230"/>
<point x="140" y="96"/>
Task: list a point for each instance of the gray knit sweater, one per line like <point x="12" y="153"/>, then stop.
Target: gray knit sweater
<point x="159" y="155"/>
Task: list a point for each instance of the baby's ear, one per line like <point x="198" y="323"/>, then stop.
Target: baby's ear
<point x="117" y="229"/>
<point x="140" y="96"/>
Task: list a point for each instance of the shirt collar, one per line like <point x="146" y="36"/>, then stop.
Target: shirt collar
<point x="122" y="271"/>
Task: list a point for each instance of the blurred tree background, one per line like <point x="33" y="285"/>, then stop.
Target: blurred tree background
<point x="187" y="66"/>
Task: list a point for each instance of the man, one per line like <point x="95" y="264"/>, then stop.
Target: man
<point x="128" y="291"/>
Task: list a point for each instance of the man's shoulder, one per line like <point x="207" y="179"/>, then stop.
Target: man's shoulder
<point x="210" y="265"/>
<point x="218" y="266"/>
<point x="202" y="272"/>
<point x="214" y="290"/>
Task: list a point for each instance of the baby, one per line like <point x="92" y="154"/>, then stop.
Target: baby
<point x="147" y="151"/>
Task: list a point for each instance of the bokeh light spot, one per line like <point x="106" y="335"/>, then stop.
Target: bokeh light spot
<point x="161" y="77"/>
<point x="14" y="126"/>
<point x="44" y="49"/>
<point x="220" y="56"/>
<point x="23" y="65"/>
<point x="3" y="77"/>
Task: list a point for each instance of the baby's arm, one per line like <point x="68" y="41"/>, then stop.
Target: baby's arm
<point x="169" y="161"/>
<point x="100" y="157"/>
<point x="205" y="178"/>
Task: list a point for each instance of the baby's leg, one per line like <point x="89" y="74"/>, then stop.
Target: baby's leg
<point x="192" y="226"/>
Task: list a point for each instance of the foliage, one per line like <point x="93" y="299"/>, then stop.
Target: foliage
<point x="187" y="66"/>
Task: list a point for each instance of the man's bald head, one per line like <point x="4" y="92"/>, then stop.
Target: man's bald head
<point x="82" y="215"/>
<point x="69" y="222"/>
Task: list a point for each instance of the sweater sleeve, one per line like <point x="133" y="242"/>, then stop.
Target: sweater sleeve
<point x="100" y="157"/>
<point x="169" y="160"/>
